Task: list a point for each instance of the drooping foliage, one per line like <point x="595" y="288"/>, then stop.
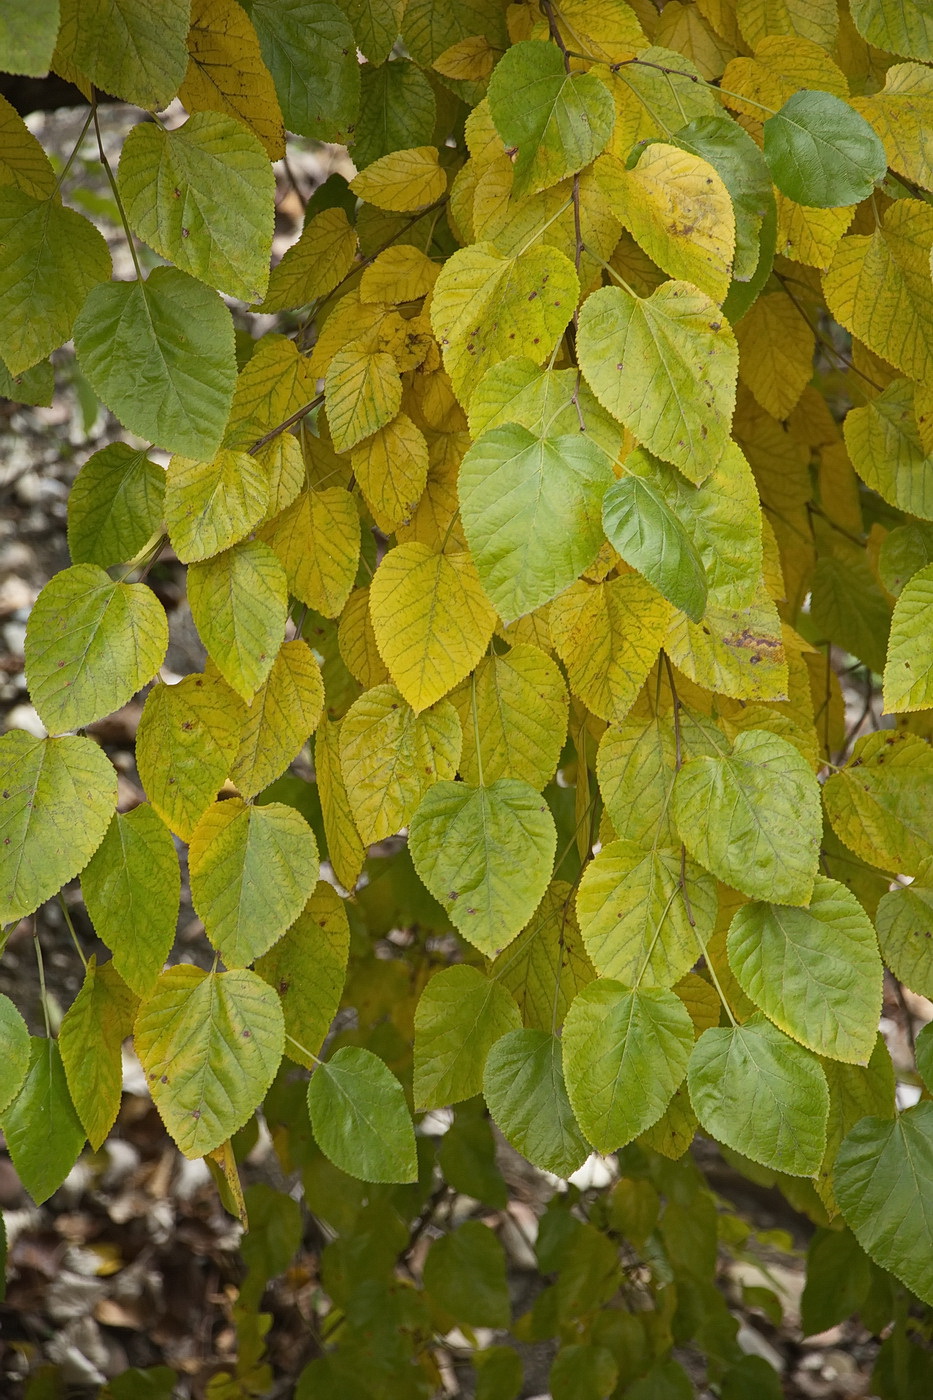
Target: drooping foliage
<point x="593" y="441"/>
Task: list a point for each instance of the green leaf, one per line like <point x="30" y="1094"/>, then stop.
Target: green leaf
<point x="548" y="402"/>
<point x="466" y="1154"/>
<point x="636" y="765"/>
<point x="821" y="152"/>
<point x="897" y="26"/>
<point x="847" y="604"/>
<point x="761" y="1094"/>
<point x="625" y="1052"/>
<point x="14" y="1052"/>
<point x="239" y="602"/>
<point x="881" y="803"/>
<point x="91" y="644"/>
<point x="210" y="1044"/>
<point x="186" y="743"/>
<point x="27" y="36"/>
<point x="202" y="195"/>
<point x="558" y="122"/>
<point x="252" y="870"/>
<point x="212" y="505"/>
<point x="310" y="51"/>
<point x="460" y="1016"/>
<point x="744" y="172"/>
<point x="582" y="1371"/>
<point x="838" y="1277"/>
<point x="814" y="972"/>
<point x="530" y="508"/>
<point x="376" y="25"/>
<point x="43" y="1133"/>
<point x="115" y="506"/>
<point x="486" y="854"/>
<point x="883" y="441"/>
<point x="523" y="1084"/>
<point x="642" y="528"/>
<point x="640" y="924"/>
<point x="132" y="889"/>
<point x="883" y="1180"/>
<point x="176" y="337"/>
<point x="52" y="258"/>
<point x="904" y="921"/>
<point x="360" y="1117"/>
<point x="56" y="800"/>
<point x="308" y="968"/>
<point x="753" y="817"/>
<point x="924" y="1054"/>
<point x="464" y="1274"/>
<point x="854" y="1091"/>
<point x="91" y="1040"/>
<point x="908" y="674"/>
<point x="33" y="386"/>
<point x="904" y="552"/>
<point x="397" y="111"/>
<point x="666" y="366"/>
<point x="134" y="49"/>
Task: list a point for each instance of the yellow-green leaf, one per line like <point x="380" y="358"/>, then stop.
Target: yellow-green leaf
<point x="908" y="675"/>
<point x="211" y="505"/>
<point x="458" y="1004"/>
<point x="881" y="803"/>
<point x="345" y="850"/>
<point x="280" y="718"/>
<point x="91" y="1040"/>
<point x="308" y="967"/>
<point x="226" y="72"/>
<point x="239" y="602"/>
<point x="883" y="439"/>
<point x="547" y="964"/>
<point x="115" y="506"/>
<point x="363" y="392"/>
<point x="402" y="181"/>
<point x="636" y="765"/>
<point x="520" y="723"/>
<point x="315" y="265"/>
<point x="317" y="539"/>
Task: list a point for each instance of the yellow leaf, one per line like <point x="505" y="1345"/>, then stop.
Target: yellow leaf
<point x="816" y="20"/>
<point x="279" y="719"/>
<point x="878" y="287"/>
<point x="607" y="29"/>
<point x="809" y="236"/>
<point x="23" y="162"/>
<point x="345" y="850"/>
<point x="362" y="392"/>
<point x="776" y="348"/>
<point x="222" y="1164"/>
<point x="401" y="273"/>
<point x="783" y="64"/>
<point x="211" y="505"/>
<point x="357" y="641"/>
<point x="486" y="307"/>
<point x="315" y="265"/>
<point x="684" y="29"/>
<point x="902" y="115"/>
<point x="608" y="636"/>
<point x="403" y="181"/>
<point x="226" y="72"/>
<point x="273" y="384"/>
<point x="472" y="58"/>
<point x="318" y="541"/>
<point x="652" y="102"/>
<point x="349" y="319"/>
<point x="185" y="745"/>
<point x="734" y="651"/>
<point x="520" y="718"/>
<point x="284" y="468"/>
<point x="679" y="210"/>
<point x="436" y="517"/>
<point x="392" y="469"/>
<point x="547" y="964"/>
<point x="431" y="618"/>
<point x="390" y="756"/>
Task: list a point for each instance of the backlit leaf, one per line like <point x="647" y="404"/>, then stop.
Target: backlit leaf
<point x="457" y="1003"/>
<point x="91" y="645"/>
<point x="761" y="1094"/>
<point x="132" y="888"/>
<point x="239" y="602"/>
<point x="908" y="675"/>
<point x="363" y="393"/>
<point x="91" y="1040"/>
<point x="345" y="850"/>
<point x="636" y="766"/>
<point x="881" y="803"/>
<point x="210" y="1044"/>
<point x="523" y="1084"/>
<point x="252" y="870"/>
<point x="486" y="854"/>
<point x="625" y="1052"/>
<point x="280" y="718"/>
<point x="360" y="1117"/>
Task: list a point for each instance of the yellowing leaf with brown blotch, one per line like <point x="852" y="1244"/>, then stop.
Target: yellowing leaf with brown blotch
<point x="520" y="723"/>
<point x="392" y="469"/>
<point x="357" y="641"/>
<point x="362" y="392"/>
<point x="735" y="651"/>
<point x="314" y="265"/>
<point x="345" y="850"/>
<point x="390" y="757"/>
<point x="318" y="541"/>
<point x="403" y="181"/>
<point x="776" y="347"/>
<point x="185" y="746"/>
<point x="211" y="505"/>
<point x="472" y="59"/>
<point x="226" y="72"/>
<point x="486" y="307"/>
<point x="273" y="384"/>
<point x="350" y="320"/>
<point x="401" y="273"/>
<point x="608" y="636"/>
<point x="878" y="287"/>
<point x="678" y="209"/>
<point x="902" y="115"/>
<point x="280" y="718"/>
<point x="431" y="618"/>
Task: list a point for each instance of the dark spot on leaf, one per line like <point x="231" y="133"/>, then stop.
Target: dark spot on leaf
<point x="195" y="1113"/>
<point x="163" y="1079"/>
<point x="246" y="1034"/>
<point x="453" y="895"/>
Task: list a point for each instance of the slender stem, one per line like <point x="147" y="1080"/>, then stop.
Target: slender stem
<point x="42" y="992"/>
<point x="147" y="562"/>
<point x="115" y="190"/>
<point x="71" y="930"/>
<point x="479" y="754"/>
<point x="612" y="272"/>
<point x="74" y="151"/>
<point x="289" y="422"/>
<point x="303" y="1048"/>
